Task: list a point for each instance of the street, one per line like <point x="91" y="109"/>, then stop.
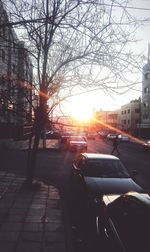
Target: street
<point x="54" y="167"/>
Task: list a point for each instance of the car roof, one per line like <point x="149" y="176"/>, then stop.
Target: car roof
<point x="99" y="156"/>
<point x="142" y="197"/>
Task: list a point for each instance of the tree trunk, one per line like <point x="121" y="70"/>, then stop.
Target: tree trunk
<point x="32" y="152"/>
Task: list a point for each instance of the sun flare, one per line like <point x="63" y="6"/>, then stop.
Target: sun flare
<point x="81" y="110"/>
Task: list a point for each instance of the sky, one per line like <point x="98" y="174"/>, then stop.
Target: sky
<point x="98" y="100"/>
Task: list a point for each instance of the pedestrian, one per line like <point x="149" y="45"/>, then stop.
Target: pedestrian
<point x="115" y="145"/>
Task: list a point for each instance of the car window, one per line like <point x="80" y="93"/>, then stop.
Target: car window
<point x="106" y="168"/>
<point x="76" y="138"/>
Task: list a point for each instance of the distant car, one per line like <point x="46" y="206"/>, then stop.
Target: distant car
<point x="91" y="136"/>
<point x="99" y="174"/>
<point x="125" y="222"/>
<point x="51" y="135"/>
<point x="65" y="136"/>
<point x="75" y="143"/>
<point x="111" y="136"/>
<point x="102" y="134"/>
<point x="146" y="145"/>
<point x="123" y="138"/>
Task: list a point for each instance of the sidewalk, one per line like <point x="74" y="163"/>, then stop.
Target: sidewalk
<point x="52" y="144"/>
<point x="32" y="220"/>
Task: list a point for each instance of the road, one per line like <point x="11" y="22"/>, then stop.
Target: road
<point x="53" y="167"/>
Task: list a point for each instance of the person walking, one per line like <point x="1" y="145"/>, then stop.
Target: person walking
<point x="115" y="145"/>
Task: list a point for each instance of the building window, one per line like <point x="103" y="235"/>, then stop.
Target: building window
<point x="145" y="116"/>
<point x="128" y="111"/>
<point x="145" y="104"/>
<point x="137" y="111"/>
<point x="14" y="68"/>
<point x="128" y="121"/>
<point x="146" y="90"/>
<point x="136" y="120"/>
<point x="3" y="55"/>
<point x="124" y="121"/>
<point x="146" y="76"/>
<point x="125" y="111"/>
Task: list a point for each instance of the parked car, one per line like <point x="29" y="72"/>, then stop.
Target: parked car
<point x="146" y="145"/>
<point x="77" y="143"/>
<point x="65" y="136"/>
<point x="123" y="138"/>
<point x="111" y="136"/>
<point x="102" y="134"/>
<point x="91" y="135"/>
<point x="51" y="135"/>
<point x="125" y="222"/>
<point x="99" y="174"/>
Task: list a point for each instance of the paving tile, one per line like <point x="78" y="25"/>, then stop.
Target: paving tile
<point x="24" y="246"/>
<point x="9" y="236"/>
<point x="53" y="247"/>
<point x="34" y="236"/>
<point x="11" y="226"/>
<point x="6" y="246"/>
<point x="54" y="195"/>
<point x="54" y="226"/>
<point x="33" y="226"/>
<point x="54" y="214"/>
<point x="36" y="219"/>
<point x="54" y="237"/>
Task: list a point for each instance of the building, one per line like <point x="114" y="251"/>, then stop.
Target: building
<point x="129" y="117"/>
<point x="15" y="81"/>
<point x="144" y="125"/>
<point x="126" y="119"/>
<point x="106" y="120"/>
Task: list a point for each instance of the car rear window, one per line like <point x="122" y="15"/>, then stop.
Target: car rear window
<point x="106" y="168"/>
<point x="77" y="138"/>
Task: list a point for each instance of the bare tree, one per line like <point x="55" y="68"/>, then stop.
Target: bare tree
<point x="74" y="43"/>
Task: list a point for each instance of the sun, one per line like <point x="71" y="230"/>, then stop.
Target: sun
<point x="81" y="114"/>
<point x="81" y="110"/>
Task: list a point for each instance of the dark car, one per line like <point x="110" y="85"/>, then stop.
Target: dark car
<point x="146" y="145"/>
<point x="102" y="173"/>
<point x="125" y="222"/>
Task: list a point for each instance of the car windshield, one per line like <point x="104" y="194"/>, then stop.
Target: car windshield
<point x="105" y="168"/>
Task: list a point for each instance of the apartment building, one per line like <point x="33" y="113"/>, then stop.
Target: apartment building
<point x="15" y="80"/>
<point x="129" y="116"/>
<point x="126" y="118"/>
<point x="107" y="119"/>
<point x="145" y="103"/>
